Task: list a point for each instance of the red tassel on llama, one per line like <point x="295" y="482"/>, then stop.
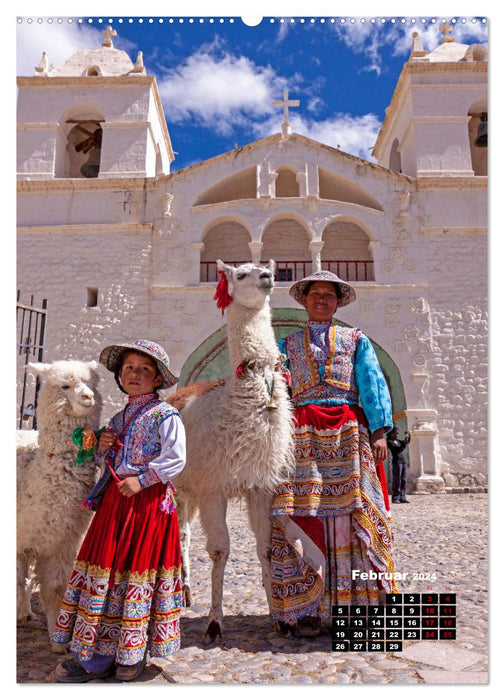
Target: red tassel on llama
<point x="222" y="295"/>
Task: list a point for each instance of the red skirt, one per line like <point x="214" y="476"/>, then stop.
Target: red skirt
<point x="126" y="588"/>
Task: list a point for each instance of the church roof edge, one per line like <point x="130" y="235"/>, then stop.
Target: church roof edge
<point x="281" y="138"/>
<point x="88" y="79"/>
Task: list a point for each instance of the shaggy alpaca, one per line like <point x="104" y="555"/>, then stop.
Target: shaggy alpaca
<point x="238" y="434"/>
<point x="51" y="520"/>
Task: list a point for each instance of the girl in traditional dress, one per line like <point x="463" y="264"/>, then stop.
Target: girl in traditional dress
<point x="331" y="518"/>
<point x="125" y="590"/>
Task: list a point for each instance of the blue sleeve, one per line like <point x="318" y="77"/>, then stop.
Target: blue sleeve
<point x="282" y="346"/>
<point x="373" y="390"/>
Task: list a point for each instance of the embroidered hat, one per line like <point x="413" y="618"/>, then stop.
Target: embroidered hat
<point x="112" y="357"/>
<point x="347" y="292"/>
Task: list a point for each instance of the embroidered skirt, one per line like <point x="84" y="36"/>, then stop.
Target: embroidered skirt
<point x="330" y="519"/>
<point x="126" y="587"/>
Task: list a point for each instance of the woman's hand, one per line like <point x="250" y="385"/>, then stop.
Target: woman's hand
<point x="130" y="486"/>
<point x="379" y="445"/>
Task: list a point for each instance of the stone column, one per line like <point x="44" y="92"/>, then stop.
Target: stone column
<point x="424" y="470"/>
<point x="316" y="251"/>
<point x="266" y="179"/>
<point x="302" y="180"/>
<point x="312" y="180"/>
<point x="256" y="249"/>
<point x="262" y="179"/>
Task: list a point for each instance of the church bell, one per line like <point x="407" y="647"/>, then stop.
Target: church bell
<point x="92" y="166"/>
<point x="481" y="139"/>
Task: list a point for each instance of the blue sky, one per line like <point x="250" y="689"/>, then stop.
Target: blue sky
<point x="218" y="78"/>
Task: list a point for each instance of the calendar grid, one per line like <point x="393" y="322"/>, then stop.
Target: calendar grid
<point x="404" y="617"/>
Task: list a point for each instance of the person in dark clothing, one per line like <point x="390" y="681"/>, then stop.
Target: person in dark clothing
<point x="399" y="467"/>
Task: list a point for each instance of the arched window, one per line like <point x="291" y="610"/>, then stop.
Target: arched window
<point x="94" y="71"/>
<point x="395" y="157"/>
<point x="339" y="188"/>
<point x="78" y="152"/>
<point x="346" y="251"/>
<point x="241" y="185"/>
<point x="227" y="241"/>
<point x="84" y="149"/>
<point x="287" y="242"/>
<point x="286" y="184"/>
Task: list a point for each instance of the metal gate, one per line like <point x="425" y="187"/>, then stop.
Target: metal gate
<point x="31" y="321"/>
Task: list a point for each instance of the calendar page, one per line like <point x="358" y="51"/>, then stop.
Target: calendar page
<point x="162" y="158"/>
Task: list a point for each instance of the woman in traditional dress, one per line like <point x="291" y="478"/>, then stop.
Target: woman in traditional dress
<point x="330" y="520"/>
<point x="125" y="591"/>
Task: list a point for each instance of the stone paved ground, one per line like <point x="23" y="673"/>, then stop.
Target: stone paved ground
<point x="441" y="534"/>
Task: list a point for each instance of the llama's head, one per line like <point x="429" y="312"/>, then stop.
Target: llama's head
<point x="249" y="285"/>
<point x="69" y="386"/>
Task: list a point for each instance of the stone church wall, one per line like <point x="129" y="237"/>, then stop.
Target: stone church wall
<point x="63" y="264"/>
<point x="458" y="386"/>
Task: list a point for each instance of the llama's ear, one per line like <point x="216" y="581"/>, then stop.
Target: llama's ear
<point x="38" y="368"/>
<point x="227" y="270"/>
<point x="271" y="266"/>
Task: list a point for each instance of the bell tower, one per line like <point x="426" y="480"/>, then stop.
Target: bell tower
<point x="436" y="123"/>
<point x="97" y="115"/>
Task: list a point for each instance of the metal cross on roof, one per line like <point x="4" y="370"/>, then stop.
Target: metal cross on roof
<point x="109" y="33"/>
<point x="286" y="103"/>
<point x="446" y="28"/>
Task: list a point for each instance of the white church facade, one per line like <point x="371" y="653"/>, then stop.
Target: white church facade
<point x="123" y="248"/>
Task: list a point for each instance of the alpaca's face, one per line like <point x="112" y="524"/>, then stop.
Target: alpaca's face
<point x="72" y="384"/>
<point x="249" y="284"/>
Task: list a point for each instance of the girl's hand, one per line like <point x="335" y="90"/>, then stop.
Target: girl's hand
<point x="107" y="441"/>
<point x="130" y="486"/>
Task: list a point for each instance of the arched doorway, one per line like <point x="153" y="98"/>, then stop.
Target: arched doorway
<point x="287" y="242"/>
<point x="226" y="235"/>
<point x="210" y="361"/>
<point x="347" y="251"/>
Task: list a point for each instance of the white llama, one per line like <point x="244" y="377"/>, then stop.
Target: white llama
<point x="238" y="434"/>
<point x="52" y="483"/>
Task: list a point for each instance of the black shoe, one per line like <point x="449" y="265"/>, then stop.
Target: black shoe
<point x="404" y="501"/>
<point x="70" y="671"/>
<point x="130" y="673"/>
<point x="308" y="626"/>
<point x="395" y="500"/>
<point x="284" y="629"/>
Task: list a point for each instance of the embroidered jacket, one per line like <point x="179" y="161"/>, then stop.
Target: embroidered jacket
<point x="142" y="440"/>
<point x="335" y="365"/>
<point x="151" y="448"/>
<point x="334" y="377"/>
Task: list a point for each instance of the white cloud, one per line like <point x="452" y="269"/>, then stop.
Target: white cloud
<point x="352" y="134"/>
<point x="315" y="103"/>
<point x="59" y="40"/>
<point x="219" y="92"/>
<point x="364" y="38"/>
<point x="431" y="36"/>
<point x="370" y="39"/>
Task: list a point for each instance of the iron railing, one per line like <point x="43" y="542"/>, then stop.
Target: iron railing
<point x="351" y="270"/>
<point x="293" y="270"/>
<point x="31" y="322"/>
